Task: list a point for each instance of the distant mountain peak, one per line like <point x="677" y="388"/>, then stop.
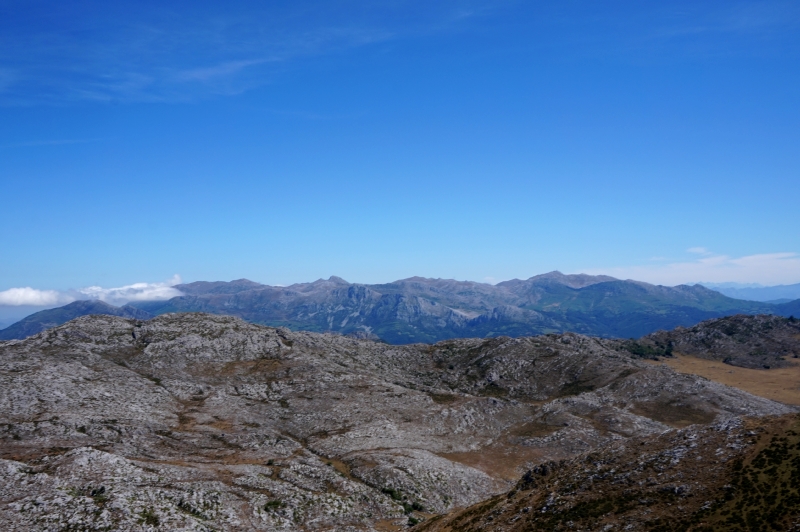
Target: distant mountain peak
<point x="218" y="287"/>
<point x="245" y="282"/>
<point x="576" y="280"/>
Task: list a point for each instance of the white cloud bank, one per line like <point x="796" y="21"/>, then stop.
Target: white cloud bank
<point x="28" y="296"/>
<point x="766" y="269"/>
<point x="134" y="292"/>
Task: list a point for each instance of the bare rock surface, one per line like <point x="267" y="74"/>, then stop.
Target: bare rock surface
<point x="206" y="422"/>
<point x="733" y="475"/>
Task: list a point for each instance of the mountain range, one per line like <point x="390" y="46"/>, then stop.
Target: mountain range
<point x="428" y="310"/>
<point x="779" y="293"/>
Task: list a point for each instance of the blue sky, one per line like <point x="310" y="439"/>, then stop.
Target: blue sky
<point x="287" y="141"/>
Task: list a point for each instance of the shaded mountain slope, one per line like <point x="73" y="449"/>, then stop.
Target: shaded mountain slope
<point x="792" y="308"/>
<point x="632" y="309"/>
<point x="198" y="421"/>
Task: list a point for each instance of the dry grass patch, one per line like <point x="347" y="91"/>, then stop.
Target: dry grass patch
<point x="249" y="367"/>
<point x="220" y="424"/>
<point x="340" y="466"/>
<point x="779" y="384"/>
<point x="503" y="462"/>
<point x="391" y="525"/>
<point x="673" y="413"/>
<point x="534" y="429"/>
<point x="443" y="398"/>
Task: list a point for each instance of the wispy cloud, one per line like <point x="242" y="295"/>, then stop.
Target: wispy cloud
<point x="699" y="251"/>
<point x="28" y="296"/>
<point x="163" y="55"/>
<point x="221" y="70"/>
<point x="766" y="268"/>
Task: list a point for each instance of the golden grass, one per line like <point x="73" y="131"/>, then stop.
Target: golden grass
<point x="500" y="461"/>
<point x="779" y="384"/>
<point x="341" y="467"/>
<point x="388" y="525"/>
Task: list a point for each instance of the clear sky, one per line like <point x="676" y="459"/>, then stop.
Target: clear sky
<point x="288" y="141"/>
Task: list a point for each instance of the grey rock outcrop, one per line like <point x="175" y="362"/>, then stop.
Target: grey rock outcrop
<point x="759" y="342"/>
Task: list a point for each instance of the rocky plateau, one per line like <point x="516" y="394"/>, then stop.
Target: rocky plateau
<point x="195" y="421"/>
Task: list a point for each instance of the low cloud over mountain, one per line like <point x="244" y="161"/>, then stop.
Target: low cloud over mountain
<point x="27" y="296"/>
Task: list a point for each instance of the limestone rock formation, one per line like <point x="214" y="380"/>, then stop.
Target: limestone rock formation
<point x="205" y="422"/>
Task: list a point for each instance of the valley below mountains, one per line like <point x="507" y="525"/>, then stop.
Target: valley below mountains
<point x="429" y="310"/>
<point x="197" y="421"/>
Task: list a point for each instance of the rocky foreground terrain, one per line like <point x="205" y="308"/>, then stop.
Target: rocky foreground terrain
<point x="738" y="475"/>
<point x="204" y="422"/>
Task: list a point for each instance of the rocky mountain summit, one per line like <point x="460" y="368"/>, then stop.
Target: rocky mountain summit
<point x="429" y="310"/>
<point x="206" y="422"/>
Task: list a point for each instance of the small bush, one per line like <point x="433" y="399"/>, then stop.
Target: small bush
<point x="271" y="506"/>
<point x="148" y="517"/>
<point x="393" y="493"/>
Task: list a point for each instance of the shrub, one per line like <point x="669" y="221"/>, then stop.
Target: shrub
<point x="273" y="505"/>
